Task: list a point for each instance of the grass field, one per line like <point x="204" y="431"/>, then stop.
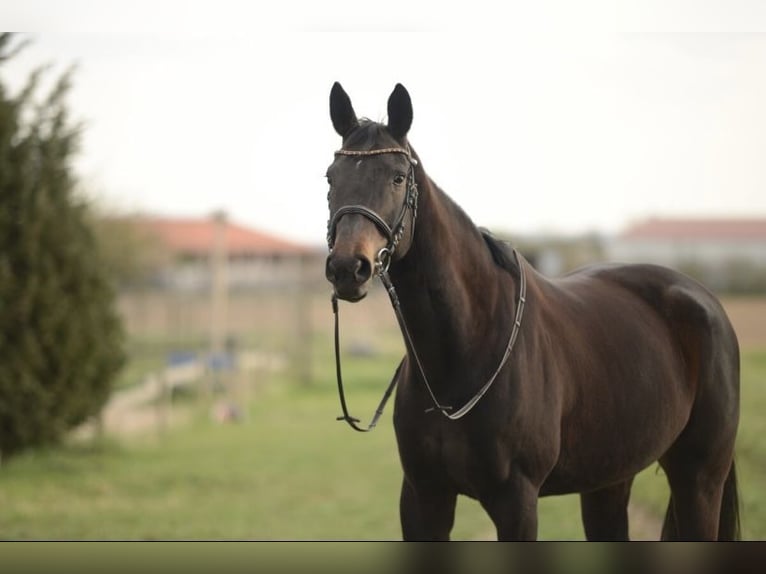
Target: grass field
<point x="289" y="471"/>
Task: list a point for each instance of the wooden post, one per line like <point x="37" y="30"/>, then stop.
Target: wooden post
<point x="219" y="287"/>
<point x="303" y="322"/>
<point x="162" y="402"/>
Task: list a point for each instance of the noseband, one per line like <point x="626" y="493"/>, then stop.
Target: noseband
<point x="392" y="233"/>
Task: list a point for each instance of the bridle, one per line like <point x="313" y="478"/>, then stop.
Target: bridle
<point x="382" y="263"/>
<point x="394" y="233"/>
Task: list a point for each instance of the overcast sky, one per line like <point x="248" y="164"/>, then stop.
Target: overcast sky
<point x="534" y="116"/>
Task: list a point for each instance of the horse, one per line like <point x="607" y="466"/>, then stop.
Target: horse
<point x="515" y="385"/>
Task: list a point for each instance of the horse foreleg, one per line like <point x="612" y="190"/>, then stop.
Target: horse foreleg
<point x="605" y="512"/>
<point x="513" y="509"/>
<point x="426" y="513"/>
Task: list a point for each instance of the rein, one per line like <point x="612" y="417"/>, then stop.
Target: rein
<point x="382" y="263"/>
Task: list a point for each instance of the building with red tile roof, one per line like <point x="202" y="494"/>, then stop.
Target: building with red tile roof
<point x="737" y="230"/>
<point x="253" y="258"/>
<point x="197" y="236"/>
<point x="714" y="249"/>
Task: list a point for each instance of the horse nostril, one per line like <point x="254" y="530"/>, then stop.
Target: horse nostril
<point x="330" y="270"/>
<point x="363" y="270"/>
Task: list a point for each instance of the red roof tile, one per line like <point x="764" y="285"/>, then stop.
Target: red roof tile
<point x="196" y="236"/>
<point x="723" y="229"/>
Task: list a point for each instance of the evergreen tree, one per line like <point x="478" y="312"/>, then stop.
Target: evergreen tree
<point x="61" y="340"/>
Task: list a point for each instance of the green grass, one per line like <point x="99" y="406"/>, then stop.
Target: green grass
<point x="751" y="447"/>
<point x="288" y="471"/>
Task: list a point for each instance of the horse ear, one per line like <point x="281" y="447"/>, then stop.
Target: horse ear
<point x="341" y="112"/>
<point x="399" y="112"/>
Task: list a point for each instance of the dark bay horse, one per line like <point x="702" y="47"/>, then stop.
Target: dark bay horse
<point x="592" y="377"/>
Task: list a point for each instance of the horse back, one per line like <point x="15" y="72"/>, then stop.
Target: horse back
<point x="691" y="312"/>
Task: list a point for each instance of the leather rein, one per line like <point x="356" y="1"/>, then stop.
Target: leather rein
<point x="382" y="263"/>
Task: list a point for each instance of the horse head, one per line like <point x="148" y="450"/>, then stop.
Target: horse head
<point x="372" y="196"/>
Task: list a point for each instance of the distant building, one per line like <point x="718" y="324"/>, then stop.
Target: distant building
<point x="254" y="259"/>
<point x="678" y="241"/>
<point x="724" y="253"/>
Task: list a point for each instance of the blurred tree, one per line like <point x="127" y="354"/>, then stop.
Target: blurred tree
<point x="132" y="255"/>
<point x="61" y="341"/>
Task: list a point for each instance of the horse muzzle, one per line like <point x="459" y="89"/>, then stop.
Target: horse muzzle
<point x="350" y="275"/>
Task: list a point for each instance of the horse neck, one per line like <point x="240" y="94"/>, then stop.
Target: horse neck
<point x="454" y="297"/>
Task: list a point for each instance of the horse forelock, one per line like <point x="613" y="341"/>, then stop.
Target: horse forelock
<point x="368" y="135"/>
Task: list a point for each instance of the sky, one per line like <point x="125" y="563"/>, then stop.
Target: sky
<point x="536" y="117"/>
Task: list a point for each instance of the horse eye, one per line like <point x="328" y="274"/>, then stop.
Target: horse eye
<point x="399" y="179"/>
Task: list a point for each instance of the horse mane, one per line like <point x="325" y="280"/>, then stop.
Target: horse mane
<point x="502" y="252"/>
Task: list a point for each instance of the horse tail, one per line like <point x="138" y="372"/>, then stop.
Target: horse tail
<point x="669" y="527"/>
<point x="729" y="527"/>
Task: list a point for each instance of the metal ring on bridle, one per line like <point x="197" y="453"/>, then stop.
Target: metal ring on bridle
<point x="383" y="260"/>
